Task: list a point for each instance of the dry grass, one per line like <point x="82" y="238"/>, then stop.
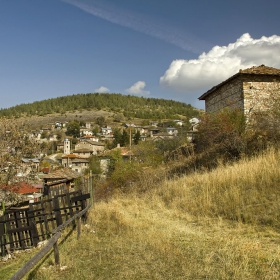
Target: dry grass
<point x="218" y="225"/>
<point x="246" y="191"/>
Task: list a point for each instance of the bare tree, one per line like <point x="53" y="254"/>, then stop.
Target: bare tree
<point x="14" y="145"/>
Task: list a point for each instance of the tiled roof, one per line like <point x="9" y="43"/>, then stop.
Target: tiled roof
<point x="71" y="156"/>
<point x="64" y="173"/>
<point x="261" y="70"/>
<point x="255" y="70"/>
<point x="20" y="188"/>
<point x="94" y="143"/>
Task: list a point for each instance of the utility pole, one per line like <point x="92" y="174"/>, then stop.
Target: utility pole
<point x="91" y="189"/>
<point x="130" y="142"/>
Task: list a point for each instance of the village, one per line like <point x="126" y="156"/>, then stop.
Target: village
<point x="56" y="169"/>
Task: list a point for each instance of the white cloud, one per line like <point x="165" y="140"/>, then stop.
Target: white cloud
<point x="138" y="88"/>
<point x="211" y="68"/>
<point x="102" y="90"/>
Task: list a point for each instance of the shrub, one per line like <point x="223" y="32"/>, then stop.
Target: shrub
<point x="223" y="133"/>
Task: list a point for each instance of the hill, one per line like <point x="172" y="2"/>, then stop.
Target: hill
<point x="129" y="106"/>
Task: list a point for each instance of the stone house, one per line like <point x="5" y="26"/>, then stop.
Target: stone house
<point x="178" y="122"/>
<point x="75" y="162"/>
<point x="90" y="138"/>
<point x="30" y="164"/>
<point x="85" y="131"/>
<point x="80" y="164"/>
<point x="94" y="147"/>
<point x="83" y="153"/>
<point x="106" y="130"/>
<point x="249" y="90"/>
<point x="59" y="147"/>
<point x="172" y="131"/>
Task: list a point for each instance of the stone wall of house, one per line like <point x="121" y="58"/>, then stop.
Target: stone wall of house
<point x="95" y="148"/>
<point x="247" y="92"/>
<point x="260" y="94"/>
<point x="83" y="145"/>
<point x="230" y="95"/>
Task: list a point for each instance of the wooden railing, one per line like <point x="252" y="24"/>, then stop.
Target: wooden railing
<point x="52" y="243"/>
<point x="25" y="228"/>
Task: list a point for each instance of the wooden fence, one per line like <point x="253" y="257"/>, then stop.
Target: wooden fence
<point x="26" y="227"/>
<point x="52" y="243"/>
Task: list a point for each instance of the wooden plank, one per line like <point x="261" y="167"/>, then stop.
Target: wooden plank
<point x="32" y="221"/>
<point x="34" y="234"/>
<point x="19" y="229"/>
<point x="80" y="197"/>
<point x="19" y="225"/>
<point x="10" y="226"/>
<point x="57" y="211"/>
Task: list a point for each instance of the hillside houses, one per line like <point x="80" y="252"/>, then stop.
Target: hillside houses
<point x="76" y="152"/>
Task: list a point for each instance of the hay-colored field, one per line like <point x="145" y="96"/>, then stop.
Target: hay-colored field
<point x="218" y="225"/>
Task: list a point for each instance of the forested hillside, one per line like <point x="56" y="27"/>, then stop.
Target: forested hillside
<point x="130" y="106"/>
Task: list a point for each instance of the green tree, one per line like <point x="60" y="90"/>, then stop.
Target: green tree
<point x="136" y="137"/>
<point x="94" y="165"/>
<point x="96" y="130"/>
<point x="117" y="137"/>
<point x="59" y="135"/>
<point x="73" y="129"/>
<point x="100" y="121"/>
<point x="125" y="138"/>
<point x="74" y="141"/>
<point x="118" y="117"/>
<point x="146" y="153"/>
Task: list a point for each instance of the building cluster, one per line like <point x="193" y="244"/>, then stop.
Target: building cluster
<point x="70" y="160"/>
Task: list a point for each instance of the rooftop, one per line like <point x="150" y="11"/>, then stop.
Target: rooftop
<point x="64" y="173"/>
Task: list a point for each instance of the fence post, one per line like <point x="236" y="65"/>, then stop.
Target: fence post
<point x="56" y="253"/>
<point x="79" y="228"/>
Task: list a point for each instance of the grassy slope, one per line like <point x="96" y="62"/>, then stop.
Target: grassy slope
<point x="218" y="225"/>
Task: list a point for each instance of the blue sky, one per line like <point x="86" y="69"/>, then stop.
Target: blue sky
<point x="153" y="48"/>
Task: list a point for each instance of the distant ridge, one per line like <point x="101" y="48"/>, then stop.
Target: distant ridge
<point x="129" y="106"/>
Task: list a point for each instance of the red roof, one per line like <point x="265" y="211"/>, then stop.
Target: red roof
<point x="70" y="156"/>
<point x="45" y="170"/>
<point x="20" y="188"/>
